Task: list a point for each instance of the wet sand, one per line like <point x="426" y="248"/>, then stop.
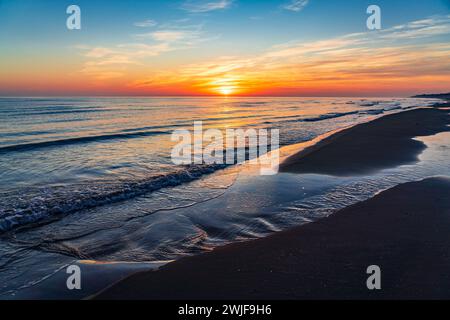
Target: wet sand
<point x="403" y="230"/>
<point x="368" y="147"/>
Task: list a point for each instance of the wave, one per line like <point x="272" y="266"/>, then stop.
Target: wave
<point x="77" y="140"/>
<point x="20" y="211"/>
<point x="330" y="116"/>
<point x="250" y="104"/>
<point x="25" y="133"/>
<point x="58" y="112"/>
<point x="51" y="111"/>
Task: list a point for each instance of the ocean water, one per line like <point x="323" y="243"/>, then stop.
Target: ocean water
<point x="92" y="178"/>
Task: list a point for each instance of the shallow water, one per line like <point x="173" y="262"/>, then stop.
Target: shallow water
<point x="65" y="158"/>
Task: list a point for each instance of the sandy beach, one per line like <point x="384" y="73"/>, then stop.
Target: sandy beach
<point x="404" y="230"/>
<point x="382" y="143"/>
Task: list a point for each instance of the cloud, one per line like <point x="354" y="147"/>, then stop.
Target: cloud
<point x="146" y="23"/>
<point x="361" y="61"/>
<point x="418" y="29"/>
<point x="169" y="35"/>
<point x="112" y="62"/>
<point x="177" y="33"/>
<point x="296" y="5"/>
<point x="98" y="52"/>
<point x="202" y="6"/>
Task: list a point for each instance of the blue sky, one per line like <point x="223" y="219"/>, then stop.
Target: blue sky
<point x="264" y="22"/>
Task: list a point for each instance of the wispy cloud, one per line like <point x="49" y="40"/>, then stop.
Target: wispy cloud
<point x="170" y="35"/>
<point x="418" y="29"/>
<point x="185" y="36"/>
<point x="146" y="23"/>
<point x="177" y="33"/>
<point x="112" y="61"/>
<point x="202" y="6"/>
<point x="296" y="5"/>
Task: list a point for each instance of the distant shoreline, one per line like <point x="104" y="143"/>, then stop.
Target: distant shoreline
<point x="444" y="96"/>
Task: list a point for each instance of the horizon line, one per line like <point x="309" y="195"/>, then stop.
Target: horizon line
<point x="215" y="96"/>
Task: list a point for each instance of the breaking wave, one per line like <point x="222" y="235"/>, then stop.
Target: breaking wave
<point x="52" y="203"/>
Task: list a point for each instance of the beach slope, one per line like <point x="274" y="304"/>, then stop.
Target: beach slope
<point x="365" y="148"/>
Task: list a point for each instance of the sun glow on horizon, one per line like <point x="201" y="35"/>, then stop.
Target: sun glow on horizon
<point x="226" y="91"/>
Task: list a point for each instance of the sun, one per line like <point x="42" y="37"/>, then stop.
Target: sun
<point x="226" y="91"/>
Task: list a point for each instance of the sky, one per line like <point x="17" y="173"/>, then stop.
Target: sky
<point x="224" y="47"/>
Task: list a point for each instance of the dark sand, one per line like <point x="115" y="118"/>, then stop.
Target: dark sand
<point x="368" y="147"/>
<point x="404" y="230"/>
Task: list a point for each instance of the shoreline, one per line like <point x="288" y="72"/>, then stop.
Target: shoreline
<point x="270" y="265"/>
<point x="365" y="148"/>
<point x="327" y="259"/>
